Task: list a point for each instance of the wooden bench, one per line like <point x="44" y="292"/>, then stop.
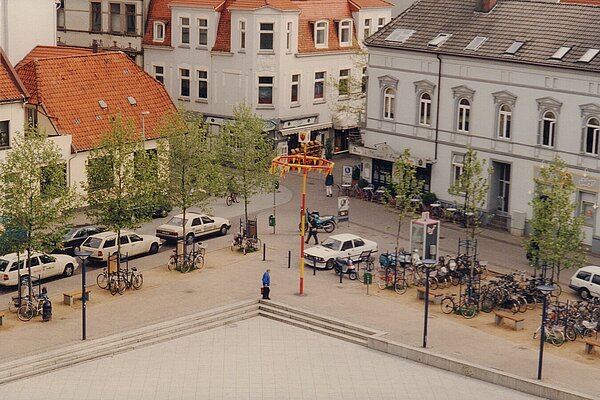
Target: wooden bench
<point x="589" y="345"/>
<point x="436" y="296"/>
<point x="70" y="297"/>
<point x="519" y="321"/>
<point x="2" y="318"/>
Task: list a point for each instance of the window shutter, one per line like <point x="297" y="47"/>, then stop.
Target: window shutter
<point x="583" y="131"/>
<point x="540" y="131"/>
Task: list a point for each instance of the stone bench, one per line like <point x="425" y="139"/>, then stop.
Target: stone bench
<point x="589" y="345"/>
<point x="519" y="321"/>
<point x="433" y="295"/>
<point x="70" y="297"/>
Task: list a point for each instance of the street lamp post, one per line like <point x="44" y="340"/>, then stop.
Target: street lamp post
<point x="546" y="290"/>
<point x="429" y="265"/>
<point x="144" y="114"/>
<point x="83" y="255"/>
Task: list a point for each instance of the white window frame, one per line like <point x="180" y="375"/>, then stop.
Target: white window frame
<point x="202" y="29"/>
<point x="295" y="82"/>
<point x="364" y="80"/>
<point x="551" y="130"/>
<point x="425" y="109"/>
<point x="345" y="77"/>
<point x="266" y="85"/>
<point x="157" y="25"/>
<point x="345" y="26"/>
<point x="595" y="129"/>
<point x="320" y="81"/>
<point x="367" y="28"/>
<point x="242" y="37"/>
<point x="288" y="36"/>
<point x="182" y="28"/>
<point x="321" y="26"/>
<point x="389" y="103"/>
<point x="380" y="23"/>
<point x="156" y="74"/>
<point x="504" y="130"/>
<point x="457" y="168"/>
<point x="200" y="80"/>
<point x="183" y="78"/>
<point x="463" y="115"/>
<point x="262" y="32"/>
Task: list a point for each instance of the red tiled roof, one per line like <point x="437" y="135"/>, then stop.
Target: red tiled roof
<point x="223" y="41"/>
<point x="158" y="11"/>
<point x="359" y="4"/>
<point x="282" y="5"/>
<point x="11" y="87"/>
<point x="199" y="3"/>
<point x="52" y="52"/>
<point x="70" y="89"/>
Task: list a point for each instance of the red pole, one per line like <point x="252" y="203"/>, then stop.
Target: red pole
<point x="302" y="228"/>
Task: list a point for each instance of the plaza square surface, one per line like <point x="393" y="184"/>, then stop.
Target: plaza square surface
<point x="253" y="359"/>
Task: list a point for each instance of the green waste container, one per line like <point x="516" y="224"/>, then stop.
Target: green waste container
<point x="271" y="220"/>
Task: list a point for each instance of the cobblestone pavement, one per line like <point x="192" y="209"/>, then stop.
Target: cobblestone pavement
<point x="254" y="359"/>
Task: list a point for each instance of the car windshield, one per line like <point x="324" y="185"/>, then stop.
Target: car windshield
<point x="3" y="264"/>
<point x="92" y="242"/>
<point x="331" y="244"/>
<point x="177" y="221"/>
<point x="69" y="234"/>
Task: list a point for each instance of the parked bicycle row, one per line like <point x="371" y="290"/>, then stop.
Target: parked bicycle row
<point x="187" y="258"/>
<point x="118" y="277"/>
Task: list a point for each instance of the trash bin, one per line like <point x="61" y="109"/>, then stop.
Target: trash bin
<point x="47" y="311"/>
<point x="271" y="220"/>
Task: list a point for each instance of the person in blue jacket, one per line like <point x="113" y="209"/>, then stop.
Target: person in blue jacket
<point x="266" y="283"/>
<point x="329" y="185"/>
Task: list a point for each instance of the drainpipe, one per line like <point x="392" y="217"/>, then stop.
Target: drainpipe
<point x="437" y="106"/>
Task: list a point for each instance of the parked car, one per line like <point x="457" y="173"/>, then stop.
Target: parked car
<point x="586" y="282"/>
<point x="102" y="245"/>
<point x="343" y="245"/>
<point x="196" y="225"/>
<point x="42" y="265"/>
<point x="75" y="236"/>
<point x="10" y="235"/>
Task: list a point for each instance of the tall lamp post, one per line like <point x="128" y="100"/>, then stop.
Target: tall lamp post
<point x="83" y="255"/>
<point x="546" y="290"/>
<point x="144" y="114"/>
<point x="429" y="265"/>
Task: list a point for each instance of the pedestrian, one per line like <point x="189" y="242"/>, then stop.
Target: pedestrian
<point x="312" y="230"/>
<point x="266" y="283"/>
<point x="329" y="185"/>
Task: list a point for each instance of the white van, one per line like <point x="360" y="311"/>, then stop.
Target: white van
<point x="586" y="282"/>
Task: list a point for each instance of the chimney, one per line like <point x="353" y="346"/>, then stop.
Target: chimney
<point x="94" y="46"/>
<point x="484" y="6"/>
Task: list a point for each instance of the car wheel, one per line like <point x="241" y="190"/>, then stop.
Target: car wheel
<point x="584" y="293"/>
<point x="330" y="263"/>
<point x="189" y="238"/>
<point x="223" y="230"/>
<point x="69" y="269"/>
<point x="153" y="248"/>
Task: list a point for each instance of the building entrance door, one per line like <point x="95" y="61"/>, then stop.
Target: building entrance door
<point x="500" y="188"/>
<point x="587" y="209"/>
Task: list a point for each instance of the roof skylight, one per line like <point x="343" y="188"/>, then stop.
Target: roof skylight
<point x="439" y="40"/>
<point x="560" y="53"/>
<point x="476" y="43"/>
<point x="400" y="35"/>
<point x="514" y="47"/>
<point x="589" y="55"/>
<point x="132" y="101"/>
<point x="103" y="104"/>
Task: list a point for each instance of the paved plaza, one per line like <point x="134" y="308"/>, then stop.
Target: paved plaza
<point x="254" y="359"/>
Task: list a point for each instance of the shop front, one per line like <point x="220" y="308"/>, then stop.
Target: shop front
<point x="318" y="131"/>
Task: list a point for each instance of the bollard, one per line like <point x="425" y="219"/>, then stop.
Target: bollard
<point x="341" y="272"/>
<point x="314" y="267"/>
<point x="289" y="258"/>
<point x="264" y="251"/>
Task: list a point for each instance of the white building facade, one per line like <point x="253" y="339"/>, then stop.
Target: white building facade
<point x="286" y="59"/>
<point x="519" y="100"/>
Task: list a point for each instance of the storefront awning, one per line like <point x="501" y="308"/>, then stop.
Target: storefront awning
<point x="313" y="127"/>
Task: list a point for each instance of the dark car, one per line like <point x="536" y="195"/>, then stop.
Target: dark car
<point x="10" y="235"/>
<point x="75" y="236"/>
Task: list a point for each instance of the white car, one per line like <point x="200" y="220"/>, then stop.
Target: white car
<point x="586" y="281"/>
<point x="42" y="265"/>
<point x="196" y="225"/>
<point x="343" y="245"/>
<point x="102" y="245"/>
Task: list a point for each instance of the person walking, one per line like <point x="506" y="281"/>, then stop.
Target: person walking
<point x="312" y="230"/>
<point x="266" y="284"/>
<point x="329" y="185"/>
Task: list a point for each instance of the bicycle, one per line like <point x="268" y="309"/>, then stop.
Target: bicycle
<point x="116" y="283"/>
<point x="28" y="310"/>
<point x="369" y="265"/>
<point x="133" y="278"/>
<point x="465" y="306"/>
<point x="102" y="279"/>
<point x="553" y="334"/>
<point x="193" y="260"/>
<point x="231" y="198"/>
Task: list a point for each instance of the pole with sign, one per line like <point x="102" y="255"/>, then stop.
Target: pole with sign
<point x="343" y="208"/>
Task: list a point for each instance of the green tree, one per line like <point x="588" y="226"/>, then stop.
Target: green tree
<point x="407" y="189"/>
<point x="121" y="179"/>
<point x="37" y="199"/>
<point x="247" y="153"/>
<point x="472" y="185"/>
<point x="556" y="235"/>
<point x="192" y="173"/>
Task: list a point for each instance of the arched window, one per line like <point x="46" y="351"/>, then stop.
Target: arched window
<point x="389" y="100"/>
<point x="504" y="121"/>
<point x="425" y="109"/>
<point x="592" y="133"/>
<point x="321" y="28"/>
<point x="548" y="129"/>
<point x="159" y="31"/>
<point x="464" y="114"/>
<point x="346" y="33"/>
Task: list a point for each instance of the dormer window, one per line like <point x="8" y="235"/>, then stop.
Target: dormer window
<point x="439" y="40"/>
<point x="159" y="31"/>
<point x="346" y="33"/>
<point x="560" y="53"/>
<point x="321" y="28"/>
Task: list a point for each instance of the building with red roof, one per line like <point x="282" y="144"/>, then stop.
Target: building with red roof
<point x="75" y="97"/>
<point x="13" y="96"/>
<point x="286" y="58"/>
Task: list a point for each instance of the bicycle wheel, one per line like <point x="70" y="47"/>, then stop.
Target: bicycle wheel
<point x="522" y="304"/>
<point x="360" y="274"/>
<point x="382" y="282"/>
<point x="557" y="338"/>
<point x="138" y="281"/>
<point x="185" y="266"/>
<point x="400" y="286"/>
<point x="447" y="305"/>
<point x="468" y="311"/>
<point x="14" y="304"/>
<point x="102" y="280"/>
<point x="228" y="201"/>
<point x="433" y="283"/>
<point x="25" y="312"/>
<point x="487" y="304"/>
<point x="199" y="261"/>
<point x="172" y="263"/>
<point x="570" y="333"/>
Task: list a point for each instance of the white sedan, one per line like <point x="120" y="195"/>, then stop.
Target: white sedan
<point x="196" y="225"/>
<point x="102" y="245"/>
<point x="42" y="265"/>
<point x="344" y="245"/>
